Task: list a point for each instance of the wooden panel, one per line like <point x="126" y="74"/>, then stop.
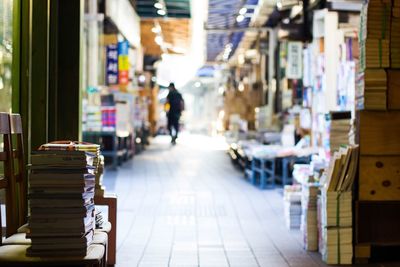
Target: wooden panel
<point x="378" y="223"/>
<point x="379" y="178"/>
<point x="175" y="32"/>
<point x="394" y="89"/>
<point x="380" y="133"/>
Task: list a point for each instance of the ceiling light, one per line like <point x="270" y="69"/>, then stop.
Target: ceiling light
<point x="155" y="30"/>
<point x="243" y="11"/>
<point x="158" y="5"/>
<point x="240" y="18"/>
<point x="197" y="84"/>
<point x="161" y="12"/>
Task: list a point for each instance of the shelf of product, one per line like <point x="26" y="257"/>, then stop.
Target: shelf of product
<point x="108" y="120"/>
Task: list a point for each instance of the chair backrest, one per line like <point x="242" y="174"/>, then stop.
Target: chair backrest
<point x="6" y="181"/>
<point x="19" y="173"/>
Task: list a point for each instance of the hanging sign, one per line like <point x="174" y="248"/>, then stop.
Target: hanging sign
<point x="112" y="64"/>
<point x="123" y="63"/>
<point x="294" y="64"/>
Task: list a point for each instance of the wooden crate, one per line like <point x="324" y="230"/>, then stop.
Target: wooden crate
<point x="379" y="133"/>
<point x="379" y="178"/>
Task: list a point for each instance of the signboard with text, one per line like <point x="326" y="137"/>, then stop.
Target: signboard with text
<point x="112" y="64"/>
<point x="294" y="60"/>
<point x="123" y="63"/>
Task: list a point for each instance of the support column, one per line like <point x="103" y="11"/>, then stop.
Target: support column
<point x="39" y="72"/>
<point x="66" y="24"/>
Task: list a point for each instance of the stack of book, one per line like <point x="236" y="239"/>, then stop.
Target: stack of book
<point x="375" y="54"/>
<point x="375" y="89"/>
<point x="375" y="19"/>
<point x="61" y="197"/>
<point x="309" y="220"/>
<point x="340" y="126"/>
<point x="374" y="38"/>
<point x="337" y="229"/>
<point x="292" y="206"/>
<point x="336" y="207"/>
<point x="395" y="35"/>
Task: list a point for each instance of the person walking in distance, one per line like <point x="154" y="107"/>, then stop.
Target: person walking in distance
<point x="176" y="106"/>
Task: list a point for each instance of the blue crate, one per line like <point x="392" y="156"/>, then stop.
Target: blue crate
<point x="263" y="172"/>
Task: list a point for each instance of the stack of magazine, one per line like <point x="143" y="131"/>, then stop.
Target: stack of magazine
<point x="61" y="198"/>
<point x="292" y="206"/>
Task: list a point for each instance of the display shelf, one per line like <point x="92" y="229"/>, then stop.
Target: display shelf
<point x="113" y="147"/>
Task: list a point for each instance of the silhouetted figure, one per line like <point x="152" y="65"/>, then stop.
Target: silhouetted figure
<point x="176" y="106"/>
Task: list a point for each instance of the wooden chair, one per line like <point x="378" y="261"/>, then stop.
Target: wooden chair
<point x="19" y="167"/>
<point x="6" y="182"/>
<point x="110" y="200"/>
<point x="13" y="251"/>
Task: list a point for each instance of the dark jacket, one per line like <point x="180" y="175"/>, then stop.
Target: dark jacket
<point x="175" y="101"/>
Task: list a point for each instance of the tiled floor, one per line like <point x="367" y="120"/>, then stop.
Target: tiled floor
<point x="187" y="206"/>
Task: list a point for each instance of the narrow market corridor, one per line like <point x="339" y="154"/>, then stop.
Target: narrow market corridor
<point x="188" y="206"/>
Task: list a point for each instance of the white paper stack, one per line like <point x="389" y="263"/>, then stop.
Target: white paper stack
<point x="292" y="206"/>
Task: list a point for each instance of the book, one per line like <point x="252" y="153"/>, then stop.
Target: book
<point x="62" y="158"/>
<point x="341" y="171"/>
<point x="58" y="253"/>
<point x="65" y="223"/>
<point x="86" y="239"/>
<point x="60" y="203"/>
